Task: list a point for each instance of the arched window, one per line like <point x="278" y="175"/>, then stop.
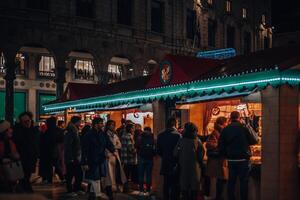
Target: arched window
<point x="46" y="67"/>
<point x="84" y="69"/>
<point x="115" y="72"/>
<point x="21" y="62"/>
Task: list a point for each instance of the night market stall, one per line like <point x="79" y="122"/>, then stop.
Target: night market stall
<point x="263" y="85"/>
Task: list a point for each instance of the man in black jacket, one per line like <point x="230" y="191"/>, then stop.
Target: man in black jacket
<point x="72" y="154"/>
<point x="166" y="142"/>
<point x="25" y="138"/>
<point x="234" y="145"/>
<point x="94" y="144"/>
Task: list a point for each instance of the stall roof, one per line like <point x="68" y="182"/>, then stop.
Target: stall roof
<point x="76" y="91"/>
<point x="111" y="108"/>
<point x="257" y="70"/>
<point x="215" y="96"/>
<point x="184" y="69"/>
<point x="283" y="58"/>
<point x="239" y="82"/>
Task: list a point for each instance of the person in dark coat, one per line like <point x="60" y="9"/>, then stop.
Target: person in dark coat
<point x="48" y="153"/>
<point x="94" y="144"/>
<point x="122" y="128"/>
<point x="8" y="153"/>
<point x="146" y="149"/>
<point x="166" y="142"/>
<point x="59" y="164"/>
<point x="190" y="152"/>
<point x="216" y="165"/>
<point x="25" y="139"/>
<point x="72" y="154"/>
<point x="234" y="145"/>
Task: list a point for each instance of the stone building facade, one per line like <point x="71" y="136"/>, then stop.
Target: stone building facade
<point x="100" y="41"/>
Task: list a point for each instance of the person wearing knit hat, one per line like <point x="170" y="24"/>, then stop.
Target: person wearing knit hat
<point x="4" y="125"/>
<point x="8" y="153"/>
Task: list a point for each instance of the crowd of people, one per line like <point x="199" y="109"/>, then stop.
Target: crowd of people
<point x="110" y="159"/>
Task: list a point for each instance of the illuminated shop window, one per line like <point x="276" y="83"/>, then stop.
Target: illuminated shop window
<point x="22" y="63"/>
<point x="228" y="6"/>
<point x="244" y="13"/>
<point x="46" y="67"/>
<point x="84" y="70"/>
<point x="145" y="72"/>
<point x="114" y="71"/>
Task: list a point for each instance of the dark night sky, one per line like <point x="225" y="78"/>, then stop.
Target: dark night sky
<point x="286" y="15"/>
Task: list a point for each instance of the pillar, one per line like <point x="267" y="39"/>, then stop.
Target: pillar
<point x="60" y="77"/>
<point x="279" y="178"/>
<point x="10" y="76"/>
<point x="32" y="106"/>
<point x="159" y="119"/>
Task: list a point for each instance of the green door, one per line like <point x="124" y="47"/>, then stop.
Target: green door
<point x="19" y="104"/>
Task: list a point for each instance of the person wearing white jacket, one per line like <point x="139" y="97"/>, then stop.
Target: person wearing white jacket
<point x="115" y="173"/>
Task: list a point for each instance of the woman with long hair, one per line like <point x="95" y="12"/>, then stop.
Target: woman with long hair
<point x="216" y="165"/>
<point x="189" y="152"/>
<point x="8" y="154"/>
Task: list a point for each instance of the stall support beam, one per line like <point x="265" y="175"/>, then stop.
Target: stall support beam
<point x="279" y="174"/>
<point x="159" y="119"/>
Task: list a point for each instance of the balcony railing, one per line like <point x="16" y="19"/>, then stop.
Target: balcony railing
<point x="46" y="74"/>
<point x="84" y="75"/>
<point x="20" y="72"/>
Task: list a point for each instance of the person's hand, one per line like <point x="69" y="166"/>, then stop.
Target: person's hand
<point x="115" y="154"/>
<point x="85" y="167"/>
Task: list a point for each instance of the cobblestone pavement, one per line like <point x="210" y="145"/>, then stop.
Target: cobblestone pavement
<point x="57" y="192"/>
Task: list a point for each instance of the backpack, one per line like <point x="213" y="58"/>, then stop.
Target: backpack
<point x="147" y="147"/>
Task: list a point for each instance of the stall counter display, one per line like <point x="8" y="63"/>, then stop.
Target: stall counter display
<point x="251" y="109"/>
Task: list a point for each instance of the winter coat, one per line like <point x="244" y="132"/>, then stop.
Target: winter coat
<point x="8" y="152"/>
<point x="48" y="151"/>
<point x="94" y="145"/>
<point x="25" y="140"/>
<point x="166" y="142"/>
<point x="72" y="148"/>
<point x="190" y="156"/>
<point x="146" y="146"/>
<point x="216" y="165"/>
<point x="115" y="171"/>
<point x="235" y="142"/>
<point x="8" y="148"/>
<point x="128" y="151"/>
